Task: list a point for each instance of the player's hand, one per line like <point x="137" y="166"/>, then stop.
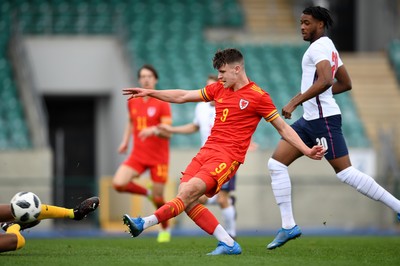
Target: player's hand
<point x="147" y="132"/>
<point x="287" y="110"/>
<point x="123" y="147"/>
<point x="317" y="152"/>
<point x="135" y="92"/>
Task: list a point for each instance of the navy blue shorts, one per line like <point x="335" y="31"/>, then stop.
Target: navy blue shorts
<point x="325" y="131"/>
<point x="230" y="185"/>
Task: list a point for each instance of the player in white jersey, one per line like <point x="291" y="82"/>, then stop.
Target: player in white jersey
<point x="323" y="76"/>
<point x="204" y="116"/>
<point x="203" y="122"/>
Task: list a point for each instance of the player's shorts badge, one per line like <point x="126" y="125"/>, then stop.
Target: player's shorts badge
<point x="243" y="104"/>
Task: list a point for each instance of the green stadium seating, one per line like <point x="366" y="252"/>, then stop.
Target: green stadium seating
<point x="169" y="35"/>
<point x="394" y="56"/>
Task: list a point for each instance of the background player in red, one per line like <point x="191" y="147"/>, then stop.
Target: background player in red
<point x="13" y="239"/>
<point x="239" y="104"/>
<point x="150" y="146"/>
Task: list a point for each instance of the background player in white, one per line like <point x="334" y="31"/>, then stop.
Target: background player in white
<point x="203" y="122"/>
<point x="323" y="76"/>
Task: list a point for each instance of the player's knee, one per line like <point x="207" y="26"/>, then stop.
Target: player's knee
<point x="118" y="187"/>
<point x="274" y="165"/>
<point x="345" y="174"/>
<point x="203" y="199"/>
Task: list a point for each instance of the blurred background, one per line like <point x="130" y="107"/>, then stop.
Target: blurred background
<point x="63" y="64"/>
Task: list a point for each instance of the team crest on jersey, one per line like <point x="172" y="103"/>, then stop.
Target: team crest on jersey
<point x="243" y="104"/>
<point x="151" y="111"/>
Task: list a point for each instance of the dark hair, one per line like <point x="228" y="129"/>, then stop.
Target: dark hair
<point x="227" y="56"/>
<point x="150" y="68"/>
<point x="320" y="13"/>
<point x="213" y="77"/>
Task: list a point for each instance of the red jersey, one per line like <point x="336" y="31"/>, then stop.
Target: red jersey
<point x="147" y="113"/>
<point x="237" y="116"/>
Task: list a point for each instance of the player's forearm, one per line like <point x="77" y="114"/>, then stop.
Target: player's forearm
<point x="161" y="133"/>
<point x="184" y="129"/>
<point x="316" y="89"/>
<point x="290" y="135"/>
<point x="172" y="96"/>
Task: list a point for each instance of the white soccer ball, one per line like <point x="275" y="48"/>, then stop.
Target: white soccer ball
<point x="25" y="207"/>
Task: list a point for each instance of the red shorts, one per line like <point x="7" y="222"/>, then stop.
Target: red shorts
<point x="214" y="168"/>
<point x="158" y="172"/>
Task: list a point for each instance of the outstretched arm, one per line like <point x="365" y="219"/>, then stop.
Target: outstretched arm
<point x="172" y="96"/>
<point x="287" y="132"/>
<point x="183" y="129"/>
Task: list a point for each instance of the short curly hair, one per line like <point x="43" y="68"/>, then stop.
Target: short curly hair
<point x="321" y="14"/>
<point x="227" y="56"/>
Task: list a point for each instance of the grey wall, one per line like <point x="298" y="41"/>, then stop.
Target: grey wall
<point x="378" y="22"/>
<point x="94" y="66"/>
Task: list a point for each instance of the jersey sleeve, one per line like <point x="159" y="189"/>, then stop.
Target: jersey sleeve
<point x="165" y="114"/>
<point x="266" y="108"/>
<point x="319" y="53"/>
<point x="208" y="92"/>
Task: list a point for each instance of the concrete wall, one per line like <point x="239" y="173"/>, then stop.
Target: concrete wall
<point x="94" y="66"/>
<point x="378" y="22"/>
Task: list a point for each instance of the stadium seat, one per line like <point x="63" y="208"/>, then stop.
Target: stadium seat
<point x="169" y="35"/>
<point x="394" y="56"/>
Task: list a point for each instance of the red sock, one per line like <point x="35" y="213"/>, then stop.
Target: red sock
<point x="159" y="202"/>
<point x="203" y="218"/>
<point x="169" y="210"/>
<point x="134" y="189"/>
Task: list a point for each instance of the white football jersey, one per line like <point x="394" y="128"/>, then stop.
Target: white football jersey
<point x="204" y="118"/>
<point x="324" y="104"/>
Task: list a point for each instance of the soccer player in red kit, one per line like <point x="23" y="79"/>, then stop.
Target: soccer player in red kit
<point x="239" y="104"/>
<point x="150" y="146"/>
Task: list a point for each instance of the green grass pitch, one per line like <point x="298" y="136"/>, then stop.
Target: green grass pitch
<point x="313" y="250"/>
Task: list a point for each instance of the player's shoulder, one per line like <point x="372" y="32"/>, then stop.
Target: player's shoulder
<point x="214" y="86"/>
<point x="323" y="42"/>
<point x="255" y="89"/>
